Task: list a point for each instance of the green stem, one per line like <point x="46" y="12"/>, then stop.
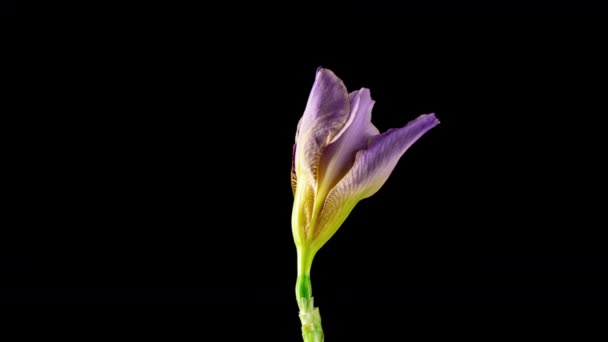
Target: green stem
<point x="309" y="315"/>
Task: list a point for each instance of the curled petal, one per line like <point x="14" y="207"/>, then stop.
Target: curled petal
<point x="374" y="165"/>
<point x="326" y="113"/>
<point x="371" y="169"/>
<point x="339" y="156"/>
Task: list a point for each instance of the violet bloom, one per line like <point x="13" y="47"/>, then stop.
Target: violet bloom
<point x="339" y="158"/>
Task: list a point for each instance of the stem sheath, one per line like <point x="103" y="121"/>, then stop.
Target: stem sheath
<point x="309" y="315"/>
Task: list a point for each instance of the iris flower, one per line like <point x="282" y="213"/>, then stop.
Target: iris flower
<point x="339" y="158"/>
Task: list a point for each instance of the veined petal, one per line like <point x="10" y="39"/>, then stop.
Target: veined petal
<point x="374" y="165"/>
<point x="294" y="176"/>
<point x="339" y="156"/>
<point x="326" y="113"/>
<point x="371" y="169"/>
<point x="328" y="102"/>
<point x="303" y="207"/>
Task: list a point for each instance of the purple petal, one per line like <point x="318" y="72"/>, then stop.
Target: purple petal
<point x="326" y="113"/>
<point x="370" y="170"/>
<point x="374" y="165"/>
<point x="328" y="104"/>
<point x="339" y="156"/>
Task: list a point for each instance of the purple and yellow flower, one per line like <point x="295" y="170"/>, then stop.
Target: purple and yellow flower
<point x="339" y="158"/>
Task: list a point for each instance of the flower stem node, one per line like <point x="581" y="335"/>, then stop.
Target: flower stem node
<point x="311" y="321"/>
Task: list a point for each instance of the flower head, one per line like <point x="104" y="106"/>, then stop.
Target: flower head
<point x="340" y="158"/>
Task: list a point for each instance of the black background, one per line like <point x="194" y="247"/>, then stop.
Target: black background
<point x="151" y="170"/>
